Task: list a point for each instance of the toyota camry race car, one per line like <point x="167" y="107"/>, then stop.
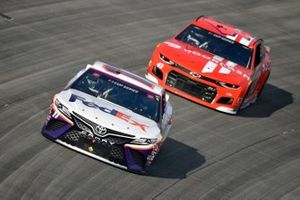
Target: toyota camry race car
<point x="213" y="64"/>
<point x="111" y="115"/>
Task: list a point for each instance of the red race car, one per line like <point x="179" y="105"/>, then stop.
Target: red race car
<point x="213" y="64"/>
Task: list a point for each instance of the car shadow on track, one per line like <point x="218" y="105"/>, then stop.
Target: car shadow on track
<point x="271" y="100"/>
<point x="175" y="160"/>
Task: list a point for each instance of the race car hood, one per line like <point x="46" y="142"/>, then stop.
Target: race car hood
<point x="108" y="114"/>
<point x="204" y="63"/>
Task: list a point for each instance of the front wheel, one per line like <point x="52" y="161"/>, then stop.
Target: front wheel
<point x="244" y="103"/>
<point x="263" y="86"/>
<point x="247" y="103"/>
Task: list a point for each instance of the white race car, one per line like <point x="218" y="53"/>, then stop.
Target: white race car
<point x="111" y="115"/>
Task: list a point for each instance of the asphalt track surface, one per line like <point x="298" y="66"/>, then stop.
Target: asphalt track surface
<point x="209" y="155"/>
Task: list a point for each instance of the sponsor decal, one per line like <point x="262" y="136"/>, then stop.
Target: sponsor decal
<point x="197" y="54"/>
<point x="118" y="84"/>
<point x="113" y="112"/>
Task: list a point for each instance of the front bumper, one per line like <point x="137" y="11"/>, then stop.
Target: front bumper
<point x="199" y="91"/>
<point x="113" y="149"/>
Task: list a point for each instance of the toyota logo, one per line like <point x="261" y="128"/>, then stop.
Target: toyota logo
<point x="100" y="130"/>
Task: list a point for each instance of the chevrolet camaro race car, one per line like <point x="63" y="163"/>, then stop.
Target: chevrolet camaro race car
<point x="111" y="115"/>
<point x="213" y="64"/>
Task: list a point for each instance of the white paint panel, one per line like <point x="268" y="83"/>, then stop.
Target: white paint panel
<point x="209" y="67"/>
<point x="224" y="70"/>
<point x="231" y="64"/>
<point x="232" y="37"/>
<point x="218" y="58"/>
<point x="245" y="41"/>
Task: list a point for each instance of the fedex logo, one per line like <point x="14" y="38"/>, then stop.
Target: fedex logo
<point x="113" y="112"/>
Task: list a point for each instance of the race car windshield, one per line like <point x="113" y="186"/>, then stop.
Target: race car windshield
<point x="216" y="44"/>
<point x="119" y="92"/>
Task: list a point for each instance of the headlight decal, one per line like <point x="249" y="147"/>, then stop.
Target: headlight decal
<point x="59" y="112"/>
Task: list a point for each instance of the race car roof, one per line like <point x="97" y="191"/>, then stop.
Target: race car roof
<point x="226" y="30"/>
<point x="127" y="76"/>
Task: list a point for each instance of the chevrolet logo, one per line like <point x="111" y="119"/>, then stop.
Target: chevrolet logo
<point x="194" y="74"/>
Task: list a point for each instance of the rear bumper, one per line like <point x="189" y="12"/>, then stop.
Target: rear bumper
<point x="109" y="149"/>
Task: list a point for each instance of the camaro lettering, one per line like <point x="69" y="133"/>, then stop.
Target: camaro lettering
<point x="113" y="112"/>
